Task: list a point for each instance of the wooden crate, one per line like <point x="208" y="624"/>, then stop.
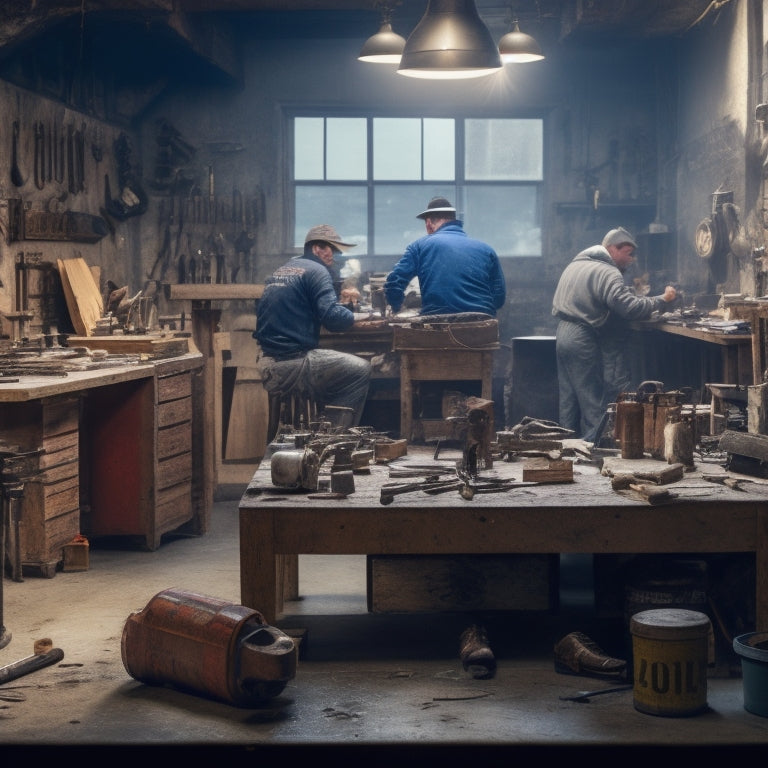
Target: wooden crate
<point x="483" y="334"/>
<point x="428" y="583"/>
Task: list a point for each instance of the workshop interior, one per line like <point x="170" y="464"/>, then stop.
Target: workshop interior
<point x="191" y="561"/>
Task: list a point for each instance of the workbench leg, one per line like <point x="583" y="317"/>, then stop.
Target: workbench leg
<point x="205" y="325"/>
<point x="406" y="397"/>
<point x="761" y="573"/>
<point x="258" y="564"/>
<point x="486" y="368"/>
<point x="290" y="578"/>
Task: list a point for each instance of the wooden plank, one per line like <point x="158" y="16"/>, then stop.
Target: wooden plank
<point x="133" y="344"/>
<point x="402" y="583"/>
<point x="543" y="470"/>
<point x="247" y="426"/>
<point x="82" y="294"/>
<point x="214" y="291"/>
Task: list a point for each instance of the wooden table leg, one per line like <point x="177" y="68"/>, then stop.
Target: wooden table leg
<point x="406" y="396"/>
<point x="258" y="565"/>
<point x="761" y="573"/>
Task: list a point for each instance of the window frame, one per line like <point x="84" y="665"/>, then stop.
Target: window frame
<point x="459" y="182"/>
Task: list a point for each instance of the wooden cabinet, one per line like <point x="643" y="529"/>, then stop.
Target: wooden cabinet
<point x="138" y="437"/>
<point x="119" y="455"/>
<point x="49" y="506"/>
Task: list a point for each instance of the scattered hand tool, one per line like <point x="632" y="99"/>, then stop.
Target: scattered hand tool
<point x="390" y="490"/>
<point x="583" y="697"/>
<point x="30" y="664"/>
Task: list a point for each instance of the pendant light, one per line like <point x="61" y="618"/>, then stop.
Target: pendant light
<point x="517" y="48"/>
<point x="386" y="46"/>
<point x="450" y="42"/>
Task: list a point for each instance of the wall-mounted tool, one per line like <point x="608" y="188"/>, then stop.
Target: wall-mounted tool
<point x="39" y="129"/>
<point x="17" y="177"/>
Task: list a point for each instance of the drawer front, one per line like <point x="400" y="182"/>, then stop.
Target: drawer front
<point x="174" y="440"/>
<point x="174" y="412"/>
<point x="175" y="470"/>
<point x="174" y="387"/>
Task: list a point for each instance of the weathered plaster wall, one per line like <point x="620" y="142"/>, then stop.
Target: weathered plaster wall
<point x="717" y="99"/>
<point x="600" y="112"/>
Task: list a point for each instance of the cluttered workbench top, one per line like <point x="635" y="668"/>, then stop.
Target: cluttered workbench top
<point x="31" y="374"/>
<point x="418" y="479"/>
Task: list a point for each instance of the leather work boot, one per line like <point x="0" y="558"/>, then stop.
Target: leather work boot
<point x="577" y="654"/>
<point x="476" y="655"/>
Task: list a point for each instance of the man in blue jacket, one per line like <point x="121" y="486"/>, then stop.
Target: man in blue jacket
<point x="456" y="273"/>
<point x="299" y="298"/>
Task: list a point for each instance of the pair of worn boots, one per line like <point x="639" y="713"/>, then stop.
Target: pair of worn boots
<point x="575" y="654"/>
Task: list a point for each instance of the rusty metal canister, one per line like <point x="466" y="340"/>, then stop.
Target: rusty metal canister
<point x="629" y="429"/>
<point x="207" y="646"/>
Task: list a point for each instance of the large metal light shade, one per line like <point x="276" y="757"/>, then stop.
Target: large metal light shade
<point x="451" y="41"/>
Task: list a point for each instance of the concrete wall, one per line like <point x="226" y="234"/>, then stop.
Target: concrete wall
<point x="593" y="101"/>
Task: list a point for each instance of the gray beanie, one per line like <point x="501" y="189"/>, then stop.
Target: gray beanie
<point x="618" y="236"/>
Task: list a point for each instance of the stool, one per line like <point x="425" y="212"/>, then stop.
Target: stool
<point x="289" y="409"/>
<point x="441" y="365"/>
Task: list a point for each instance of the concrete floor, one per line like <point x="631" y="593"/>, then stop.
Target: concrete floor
<point x="372" y="683"/>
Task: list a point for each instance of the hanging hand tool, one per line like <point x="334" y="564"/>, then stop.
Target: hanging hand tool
<point x="39" y="156"/>
<point x="16" y="176"/>
<point x="71" y="186"/>
<point x="48" y="154"/>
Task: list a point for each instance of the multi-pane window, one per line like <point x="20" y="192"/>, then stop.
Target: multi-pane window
<point x="370" y="176"/>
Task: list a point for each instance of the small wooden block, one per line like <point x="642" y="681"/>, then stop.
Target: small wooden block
<point x="543" y="470"/>
<point x="393" y="450"/>
<point x="76" y="556"/>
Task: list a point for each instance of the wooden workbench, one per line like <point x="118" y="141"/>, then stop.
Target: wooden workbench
<point x="120" y="454"/>
<point x="585" y="516"/>
<point x="735" y="352"/>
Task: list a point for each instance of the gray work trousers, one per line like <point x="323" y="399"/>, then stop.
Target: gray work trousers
<point x="592" y="372"/>
<point x="580" y="378"/>
<point x="327" y="376"/>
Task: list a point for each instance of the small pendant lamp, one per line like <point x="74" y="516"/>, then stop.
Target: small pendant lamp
<point x="517" y="48"/>
<point x="386" y="46"/>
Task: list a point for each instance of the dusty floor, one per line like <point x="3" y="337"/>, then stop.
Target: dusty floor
<point x="371" y="682"/>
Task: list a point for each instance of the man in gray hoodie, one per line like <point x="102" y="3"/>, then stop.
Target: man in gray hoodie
<point x="593" y="304"/>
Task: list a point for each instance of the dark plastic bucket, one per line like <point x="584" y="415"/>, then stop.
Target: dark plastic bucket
<point x="753" y="650"/>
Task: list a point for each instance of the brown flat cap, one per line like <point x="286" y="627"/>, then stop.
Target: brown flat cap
<point x="325" y="233"/>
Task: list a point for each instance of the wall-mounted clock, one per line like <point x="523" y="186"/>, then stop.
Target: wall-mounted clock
<point x="707" y="239"/>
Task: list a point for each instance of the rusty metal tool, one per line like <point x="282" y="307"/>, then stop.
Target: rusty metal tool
<point x="390" y="490"/>
<point x="30" y="664"/>
<point x="585" y="696"/>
